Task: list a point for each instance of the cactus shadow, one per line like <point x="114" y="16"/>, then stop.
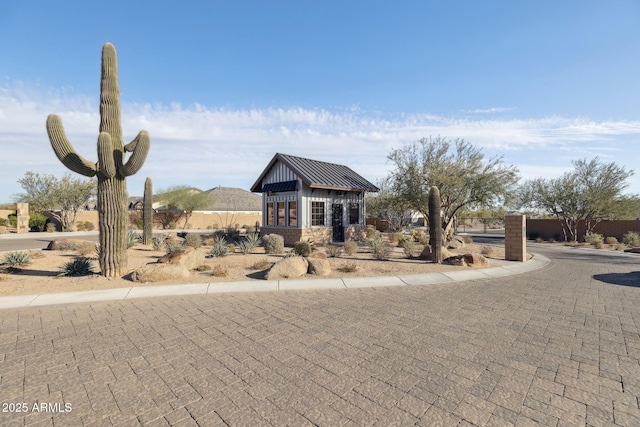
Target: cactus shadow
<point x="631" y="279"/>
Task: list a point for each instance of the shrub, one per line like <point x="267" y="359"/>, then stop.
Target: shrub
<point x="87" y="248"/>
<point x="262" y="264"/>
<point x="350" y="247"/>
<point x="50" y="227"/>
<point x="37" y="221"/>
<point x="611" y="241"/>
<point x="379" y="248"/>
<point x="539" y="240"/>
<point x="220" y="271"/>
<point x="36" y="253"/>
<point x="13" y="220"/>
<point x="85" y="226"/>
<point x="594" y="239"/>
<point x="409" y="247"/>
<point x="371" y="231"/>
<point x="418" y="235"/>
<point x="17" y="259"/>
<point x="273" y="244"/>
<point x="171" y="246"/>
<point x="250" y="242"/>
<point x="133" y="238"/>
<point x="219" y="248"/>
<point x="232" y="234"/>
<point x="159" y="243"/>
<point x="3" y="222"/>
<point x="333" y="251"/>
<point x="621" y="247"/>
<point x="80" y="266"/>
<point x="193" y="240"/>
<point x="304" y="247"/>
<point x="400" y="238"/>
<point x="631" y="239"/>
<point x="348" y="267"/>
<point x="486" y="250"/>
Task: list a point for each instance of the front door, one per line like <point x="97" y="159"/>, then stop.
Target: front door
<point x="336" y="222"/>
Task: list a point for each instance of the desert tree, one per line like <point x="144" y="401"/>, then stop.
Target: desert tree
<point x="591" y="192"/>
<point x="62" y="197"/>
<point x="389" y="206"/>
<point x="460" y="171"/>
<point x="180" y="201"/>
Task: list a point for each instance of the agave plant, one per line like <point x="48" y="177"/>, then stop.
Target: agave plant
<point x="79" y="266"/>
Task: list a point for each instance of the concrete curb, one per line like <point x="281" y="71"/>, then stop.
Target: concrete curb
<point x="506" y="269"/>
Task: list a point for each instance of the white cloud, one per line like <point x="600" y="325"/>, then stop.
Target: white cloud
<point x="206" y="147"/>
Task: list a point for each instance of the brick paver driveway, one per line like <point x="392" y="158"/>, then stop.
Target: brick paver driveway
<point x="558" y="346"/>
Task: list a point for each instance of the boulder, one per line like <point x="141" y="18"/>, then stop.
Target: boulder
<point x="188" y="258"/>
<point x="66" y="244"/>
<point x="467" y="260"/>
<point x="319" y="266"/>
<point x="159" y="272"/>
<point x="456" y="242"/>
<point x="317" y="255"/>
<point x="288" y="268"/>
<point x="426" y="253"/>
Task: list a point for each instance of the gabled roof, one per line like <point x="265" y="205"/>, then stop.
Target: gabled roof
<point x="317" y="174"/>
<point x="233" y="199"/>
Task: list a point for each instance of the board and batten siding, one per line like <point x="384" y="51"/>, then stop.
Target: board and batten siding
<point x="279" y="173"/>
<point x="329" y="198"/>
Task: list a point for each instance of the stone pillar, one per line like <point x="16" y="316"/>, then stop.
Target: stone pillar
<point x="515" y="233"/>
<point x="22" y="213"/>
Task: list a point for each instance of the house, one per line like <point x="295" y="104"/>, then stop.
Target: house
<point x="304" y="198"/>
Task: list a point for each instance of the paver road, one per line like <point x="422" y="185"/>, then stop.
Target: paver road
<point x="557" y="346"/>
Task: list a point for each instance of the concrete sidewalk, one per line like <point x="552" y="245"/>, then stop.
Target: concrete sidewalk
<point x="505" y="269"/>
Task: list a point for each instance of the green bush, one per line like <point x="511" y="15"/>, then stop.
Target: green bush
<point x="37" y="221"/>
<point x="631" y="239"/>
<point x="273" y="244"/>
<point x="219" y="248"/>
<point x="409" y="247"/>
<point x="371" y="231"/>
<point x="13" y="220"/>
<point x="304" y="247"/>
<point x="594" y="239"/>
<point x="4" y="222"/>
<point x="379" y="247"/>
<point x="80" y="266"/>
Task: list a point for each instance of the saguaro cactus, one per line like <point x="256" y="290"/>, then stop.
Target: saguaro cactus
<point x="147" y="213"/>
<point x="435" y="225"/>
<point x="110" y="169"/>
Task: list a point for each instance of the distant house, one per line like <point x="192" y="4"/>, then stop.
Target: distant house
<point x="304" y="198"/>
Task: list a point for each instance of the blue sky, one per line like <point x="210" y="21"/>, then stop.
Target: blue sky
<point x="222" y="86"/>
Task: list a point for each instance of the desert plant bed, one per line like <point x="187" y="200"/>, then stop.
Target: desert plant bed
<point x="42" y="275"/>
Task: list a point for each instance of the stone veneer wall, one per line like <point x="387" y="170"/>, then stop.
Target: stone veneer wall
<point x="320" y="235"/>
<point x="515" y="235"/>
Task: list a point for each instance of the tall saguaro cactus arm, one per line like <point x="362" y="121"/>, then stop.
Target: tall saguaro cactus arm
<point x="64" y="150"/>
<point x="139" y="149"/>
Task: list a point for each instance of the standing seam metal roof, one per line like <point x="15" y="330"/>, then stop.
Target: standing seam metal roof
<point x="318" y="174"/>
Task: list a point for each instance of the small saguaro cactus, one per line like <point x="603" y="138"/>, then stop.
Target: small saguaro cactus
<point x="110" y="169"/>
<point x="435" y="225"/>
<point x="147" y="213"/>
